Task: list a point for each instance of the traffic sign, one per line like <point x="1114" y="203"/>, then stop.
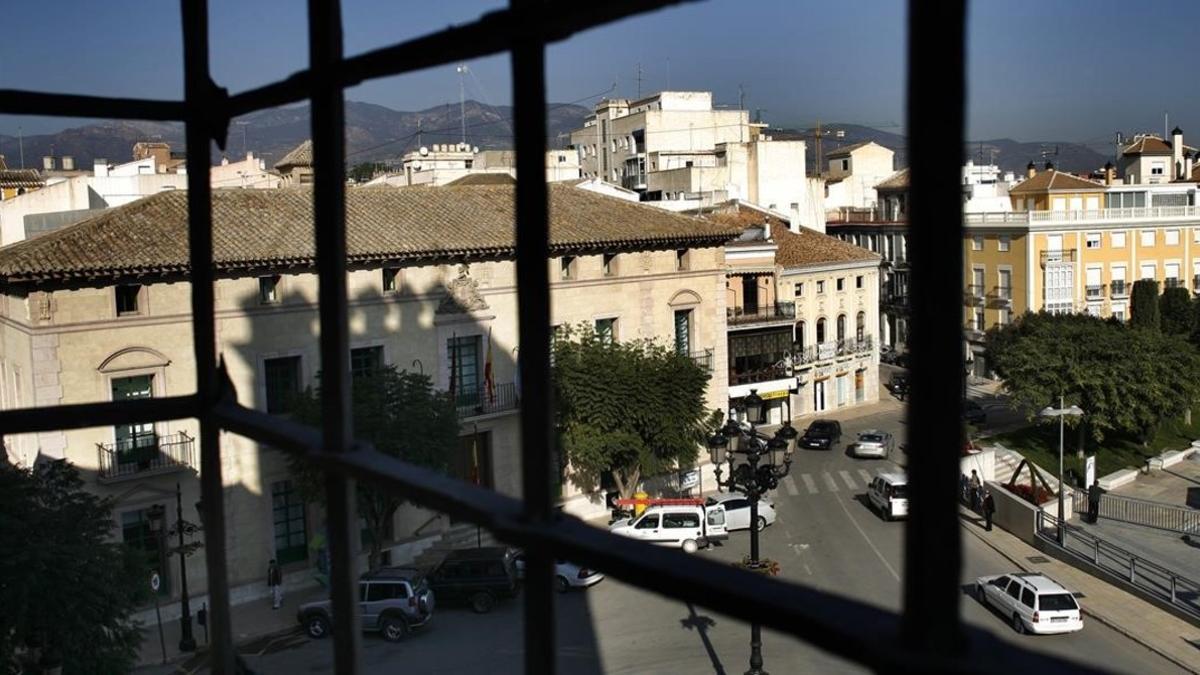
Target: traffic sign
<point x="155" y="582"/>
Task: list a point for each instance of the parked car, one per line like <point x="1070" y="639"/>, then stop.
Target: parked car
<point x="821" y="435"/>
<point x="737" y="511"/>
<point x="567" y="575"/>
<point x="888" y="494"/>
<point x="873" y="443"/>
<point x="973" y="413"/>
<point x="476" y="577"/>
<point x="392" y="600"/>
<point x="1035" y="603"/>
<point x="687" y="526"/>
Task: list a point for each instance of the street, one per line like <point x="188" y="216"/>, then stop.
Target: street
<point x="826" y="536"/>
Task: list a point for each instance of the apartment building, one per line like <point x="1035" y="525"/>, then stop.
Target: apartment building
<point x="444" y="164"/>
<point x="85" y="317"/>
<point x="853" y="171"/>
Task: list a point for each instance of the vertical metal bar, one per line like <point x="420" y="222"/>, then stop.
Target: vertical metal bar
<point x="1132" y="569"/>
<point x="197" y="95"/>
<point x="533" y="304"/>
<point x="1172" y="589"/>
<point x="329" y="223"/>
<point x="933" y="556"/>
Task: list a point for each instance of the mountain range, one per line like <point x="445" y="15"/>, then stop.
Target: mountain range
<point x="378" y="133"/>
<point x="373" y="133"/>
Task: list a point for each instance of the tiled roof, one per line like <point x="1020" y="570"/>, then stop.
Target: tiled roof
<point x="20" y="178"/>
<point x="795" y="249"/>
<point x="1053" y="180"/>
<point x="256" y="230"/>
<point x="489" y="178"/>
<point x="845" y="152"/>
<point x="896" y="181"/>
<point x="1147" y="145"/>
<point x="301" y="155"/>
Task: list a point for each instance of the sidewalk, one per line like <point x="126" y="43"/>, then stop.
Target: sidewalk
<point x="1178" y="485"/>
<point x="251" y="620"/>
<point x="1172" y="638"/>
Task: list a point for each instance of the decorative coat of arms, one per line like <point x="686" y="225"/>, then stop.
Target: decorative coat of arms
<point x="462" y="294"/>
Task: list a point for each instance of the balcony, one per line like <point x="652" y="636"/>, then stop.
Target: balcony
<point x="477" y="403"/>
<point x="704" y="359"/>
<point x="1066" y="255"/>
<point x="1098" y="216"/>
<point x="974" y="294"/>
<point x="827" y="351"/>
<point x="744" y="316"/>
<point x="777" y="371"/>
<point x="1003" y="295"/>
<point x="1118" y="289"/>
<point x="144" y="455"/>
<point x="1173" y="282"/>
<point x="1094" y="293"/>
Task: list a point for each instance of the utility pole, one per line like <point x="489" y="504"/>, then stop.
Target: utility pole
<point x="668" y="73"/>
<point x="741" y="97"/>
<point x="462" y="101"/>
<point x="639" y="80"/>
<point x="21" y="145"/>
<point x="820" y="162"/>
<point x="418" y="132"/>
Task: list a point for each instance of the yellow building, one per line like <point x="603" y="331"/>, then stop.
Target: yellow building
<point x="1076" y="245"/>
<point x="14" y="182"/>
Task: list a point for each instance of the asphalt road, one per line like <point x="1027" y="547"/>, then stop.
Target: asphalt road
<point x="826" y="536"/>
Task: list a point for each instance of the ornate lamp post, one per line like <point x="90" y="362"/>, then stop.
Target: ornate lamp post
<point x="181" y="528"/>
<point x="756" y="464"/>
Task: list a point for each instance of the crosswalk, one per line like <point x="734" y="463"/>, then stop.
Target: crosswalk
<point x="824" y="482"/>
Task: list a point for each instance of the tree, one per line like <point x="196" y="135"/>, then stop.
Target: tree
<point x="627" y="409"/>
<point x="1126" y="380"/>
<point x="1175" y="312"/>
<point x="1143" y="304"/>
<point x="402" y="415"/>
<point x="365" y="171"/>
<point x="66" y="590"/>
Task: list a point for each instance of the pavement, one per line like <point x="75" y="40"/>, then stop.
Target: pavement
<point x="1177" y="485"/>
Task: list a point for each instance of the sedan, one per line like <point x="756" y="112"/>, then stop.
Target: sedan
<point x="873" y="443"/>
<point x="567" y="575"/>
<point x="737" y="511"/>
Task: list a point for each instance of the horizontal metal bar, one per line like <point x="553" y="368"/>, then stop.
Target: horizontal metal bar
<point x="854" y="630"/>
<point x="21" y="102"/>
<point x="99" y="414"/>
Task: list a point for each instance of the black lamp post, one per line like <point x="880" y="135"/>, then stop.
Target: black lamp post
<point x="181" y="528"/>
<point x="756" y="464"/>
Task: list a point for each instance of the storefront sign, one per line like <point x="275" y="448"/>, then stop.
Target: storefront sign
<point x="771" y="395"/>
<point x="689" y="479"/>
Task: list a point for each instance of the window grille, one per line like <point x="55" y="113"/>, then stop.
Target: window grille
<point x="927" y="636"/>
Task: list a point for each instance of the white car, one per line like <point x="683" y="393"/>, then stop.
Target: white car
<point x="737" y="511"/>
<point x="873" y="443"/>
<point x="567" y="575"/>
<point x="1034" y="603"/>
<point x="690" y="526"/>
<point x="888" y="494"/>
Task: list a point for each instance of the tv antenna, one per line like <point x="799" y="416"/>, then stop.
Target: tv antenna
<point x="462" y="100"/>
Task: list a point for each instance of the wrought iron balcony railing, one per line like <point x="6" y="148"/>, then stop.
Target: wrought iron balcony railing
<point x="1065" y="255"/>
<point x="704" y="358"/>
<point x="145" y="454"/>
<point x="1094" y="292"/>
<point x="779" y="311"/>
<point x="1118" y="289"/>
<point x="477" y="402"/>
<point x="826" y="351"/>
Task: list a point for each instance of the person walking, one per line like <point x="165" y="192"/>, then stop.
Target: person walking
<point x="1093" y="497"/>
<point x="989" y="507"/>
<point x="975" y="488"/>
<point x="275" y="581"/>
<point x="963" y="489"/>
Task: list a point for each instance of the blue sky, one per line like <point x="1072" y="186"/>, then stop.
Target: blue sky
<point x="1040" y="69"/>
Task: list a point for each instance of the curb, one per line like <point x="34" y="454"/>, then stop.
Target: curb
<point x="1107" y="622"/>
<point x="194" y="663"/>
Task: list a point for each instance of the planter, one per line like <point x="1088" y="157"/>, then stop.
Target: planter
<point x="1037" y="498"/>
<point x="763" y="566"/>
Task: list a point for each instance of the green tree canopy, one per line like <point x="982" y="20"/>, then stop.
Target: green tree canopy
<point x="403" y="416"/>
<point x="66" y="589"/>
<point x="1126" y="380"/>
<point x="627" y="409"/>
<point x="1175" y="311"/>
<point x="365" y="171"/>
<point x="1143" y="305"/>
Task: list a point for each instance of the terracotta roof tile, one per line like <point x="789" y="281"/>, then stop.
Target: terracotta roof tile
<point x="1054" y="180"/>
<point x="21" y="178"/>
<point x="255" y="230"/>
<point x="845" y="152"/>
<point x="490" y="178"/>
<point x="796" y="249"/>
<point x="301" y="155"/>
<point x="1147" y="145"/>
<point x="896" y="181"/>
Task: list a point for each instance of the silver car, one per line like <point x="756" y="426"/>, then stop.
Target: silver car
<point x="737" y="511"/>
<point x="873" y="443"/>
<point x="567" y="575"/>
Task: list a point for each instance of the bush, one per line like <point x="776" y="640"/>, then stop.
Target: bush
<point x="1024" y="491"/>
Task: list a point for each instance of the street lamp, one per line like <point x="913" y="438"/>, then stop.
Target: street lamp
<point x="756" y="464"/>
<point x="157" y="516"/>
<point x="1061" y="413"/>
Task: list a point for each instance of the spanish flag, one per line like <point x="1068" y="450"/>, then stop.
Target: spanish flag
<point x="488" y="376"/>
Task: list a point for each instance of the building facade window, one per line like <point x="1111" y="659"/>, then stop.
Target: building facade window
<point x="464" y="363"/>
<point x="135" y="443"/>
<point x="841" y="327"/>
<point x="566" y="267"/>
<point x="291" y="532"/>
<point x="366" y="360"/>
<point x="821" y="287"/>
<point x="681" y="260"/>
<point x="800" y="336"/>
<point x="606" y="330"/>
<point x="799" y="290"/>
<point x="860" y="326"/>
<point x="683" y="331"/>
<point x="977" y="242"/>
<point x="1171" y="237"/>
<point x="1118" y="239"/>
<point x="391" y="279"/>
<point x="841" y="283"/>
<point x="1147" y="237"/>
<point x="858" y="281"/>
<point x="282" y="381"/>
<point x="1092" y="240"/>
<point x="268" y="290"/>
<point x="820" y="330"/>
<point x="610" y="264"/>
<point x="1004" y="242"/>
<point x="129" y="299"/>
<point x="1149" y="271"/>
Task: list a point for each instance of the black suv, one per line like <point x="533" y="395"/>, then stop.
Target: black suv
<point x="822" y="435"/>
<point x="476" y="577"/>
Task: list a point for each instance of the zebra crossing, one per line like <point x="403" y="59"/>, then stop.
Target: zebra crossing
<point x="828" y="482"/>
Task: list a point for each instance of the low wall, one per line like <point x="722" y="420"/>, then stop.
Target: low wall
<point x="983" y="462"/>
<point x="1118" y="478"/>
<point x="1018" y="516"/>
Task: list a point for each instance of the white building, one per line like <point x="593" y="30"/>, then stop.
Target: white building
<point x="1150" y="159"/>
<point x="853" y="172"/>
<point x="985" y="188"/>
<point x="442" y="164"/>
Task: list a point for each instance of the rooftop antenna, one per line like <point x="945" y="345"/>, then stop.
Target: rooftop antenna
<point x="418" y="132"/>
<point x="1166" y="124"/>
<point x="668" y="73"/>
<point x="639" y="80"/>
<point x="243" y="125"/>
<point x="741" y="97"/>
<point x="462" y="100"/>
<point x="21" y="145"/>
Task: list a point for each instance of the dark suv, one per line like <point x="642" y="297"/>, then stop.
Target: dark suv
<point x="391" y="600"/>
<point x="476" y="577"/>
<point x="821" y="435"/>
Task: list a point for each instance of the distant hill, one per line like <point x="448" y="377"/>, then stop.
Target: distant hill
<point x="1009" y="154"/>
<point x="373" y="133"/>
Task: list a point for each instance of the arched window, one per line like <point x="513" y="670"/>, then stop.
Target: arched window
<point x="860" y="326"/>
<point x="841" y="327"/>
<point x="820" y="330"/>
<point x="800" y="334"/>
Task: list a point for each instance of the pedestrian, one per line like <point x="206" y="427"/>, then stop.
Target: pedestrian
<point x="989" y="507"/>
<point x="275" y="581"/>
<point x="963" y="489"/>
<point x="975" y="487"/>
<point x="1093" y="497"/>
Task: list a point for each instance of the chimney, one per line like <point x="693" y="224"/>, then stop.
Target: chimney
<point x="1177" y="151"/>
<point x="1110" y="173"/>
<point x="1030" y="170"/>
<point x="48" y="162"/>
<point x="1049" y="165"/>
<point x="1187" y="166"/>
<point x="68" y="163"/>
<point x="100" y="167"/>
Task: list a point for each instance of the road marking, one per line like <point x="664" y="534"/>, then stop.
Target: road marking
<point x="849" y="481"/>
<point x="869" y="542"/>
<point x="806" y="569"/>
<point x="865" y="475"/>
<point x="829" y="483"/>
<point x="790" y="484"/>
<point x="809" y="484"/>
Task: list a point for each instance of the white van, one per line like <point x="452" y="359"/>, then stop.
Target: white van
<point x="689" y="527"/>
<point x="889" y="494"/>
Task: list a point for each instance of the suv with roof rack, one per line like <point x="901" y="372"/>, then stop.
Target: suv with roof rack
<point x="391" y="600"/>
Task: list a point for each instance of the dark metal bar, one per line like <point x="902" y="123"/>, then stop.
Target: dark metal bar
<point x="198" y="91"/>
<point x="329" y="224"/>
<point x="83" y="415"/>
<point x="932" y="554"/>
<point x="19" y="102"/>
